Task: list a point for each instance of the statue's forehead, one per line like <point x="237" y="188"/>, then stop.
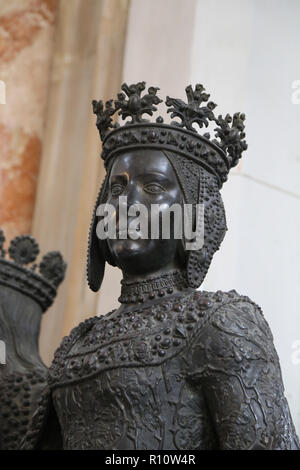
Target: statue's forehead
<point x="142" y="161"/>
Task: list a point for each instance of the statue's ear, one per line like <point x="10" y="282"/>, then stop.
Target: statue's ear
<point x="95" y="261"/>
<point x="95" y="258"/>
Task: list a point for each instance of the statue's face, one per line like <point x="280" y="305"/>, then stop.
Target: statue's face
<point x="143" y="177"/>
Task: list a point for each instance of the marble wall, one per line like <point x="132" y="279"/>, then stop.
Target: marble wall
<point x="26" y="42"/>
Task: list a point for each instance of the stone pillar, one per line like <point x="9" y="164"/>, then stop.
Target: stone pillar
<point x="87" y="64"/>
<point x="26" y="39"/>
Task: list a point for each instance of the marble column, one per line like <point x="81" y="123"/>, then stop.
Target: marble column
<point x="87" y="64"/>
<point x="26" y="40"/>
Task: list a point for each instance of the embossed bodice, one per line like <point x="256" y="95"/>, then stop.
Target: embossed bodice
<point x="196" y="371"/>
<point x="142" y="399"/>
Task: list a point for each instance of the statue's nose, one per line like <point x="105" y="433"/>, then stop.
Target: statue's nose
<point x="130" y="197"/>
<point x="133" y="194"/>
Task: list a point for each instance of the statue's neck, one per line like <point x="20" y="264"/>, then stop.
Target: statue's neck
<point x="139" y="290"/>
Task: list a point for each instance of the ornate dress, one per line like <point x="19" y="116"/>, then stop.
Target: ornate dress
<point x="194" y="371"/>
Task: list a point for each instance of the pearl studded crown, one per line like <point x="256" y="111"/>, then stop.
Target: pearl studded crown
<point x="217" y="155"/>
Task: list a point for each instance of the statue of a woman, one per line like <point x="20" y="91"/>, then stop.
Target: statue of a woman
<point x="172" y="367"/>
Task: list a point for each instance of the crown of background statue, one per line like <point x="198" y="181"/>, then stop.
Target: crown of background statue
<point x="39" y="282"/>
<point x="217" y="155"/>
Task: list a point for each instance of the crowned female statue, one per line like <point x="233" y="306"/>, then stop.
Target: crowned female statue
<point x="172" y="367"/>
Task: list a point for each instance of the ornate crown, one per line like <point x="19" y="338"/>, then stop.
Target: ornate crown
<point x="218" y="155"/>
<point x="39" y="282"/>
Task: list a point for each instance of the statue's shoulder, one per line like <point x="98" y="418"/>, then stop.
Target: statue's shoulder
<point x="234" y="360"/>
<point x="79" y="332"/>
<point x="234" y="329"/>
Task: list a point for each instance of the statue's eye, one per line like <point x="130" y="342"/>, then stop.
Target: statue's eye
<point x="154" y="188"/>
<point x="116" y="189"/>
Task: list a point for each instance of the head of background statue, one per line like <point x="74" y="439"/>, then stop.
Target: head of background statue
<point x="164" y="164"/>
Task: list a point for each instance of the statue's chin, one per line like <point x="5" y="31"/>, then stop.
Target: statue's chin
<point x="129" y="248"/>
<point x="135" y="256"/>
<point x="142" y="255"/>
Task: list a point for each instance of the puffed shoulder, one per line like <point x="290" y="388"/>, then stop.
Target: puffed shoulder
<point x="235" y="362"/>
<point x="235" y="329"/>
<point x="76" y="332"/>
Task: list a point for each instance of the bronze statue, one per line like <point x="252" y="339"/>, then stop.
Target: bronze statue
<point x="26" y="292"/>
<point x="172" y="367"/>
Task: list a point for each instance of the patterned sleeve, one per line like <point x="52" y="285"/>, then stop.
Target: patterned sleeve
<point x="235" y="361"/>
<point x="44" y="431"/>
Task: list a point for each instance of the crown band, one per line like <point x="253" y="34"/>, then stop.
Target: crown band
<point x="40" y="286"/>
<point x="28" y="282"/>
<point x="164" y="137"/>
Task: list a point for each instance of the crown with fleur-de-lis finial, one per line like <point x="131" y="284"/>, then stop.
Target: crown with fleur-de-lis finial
<point x="39" y="282"/>
<point x="217" y="155"/>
